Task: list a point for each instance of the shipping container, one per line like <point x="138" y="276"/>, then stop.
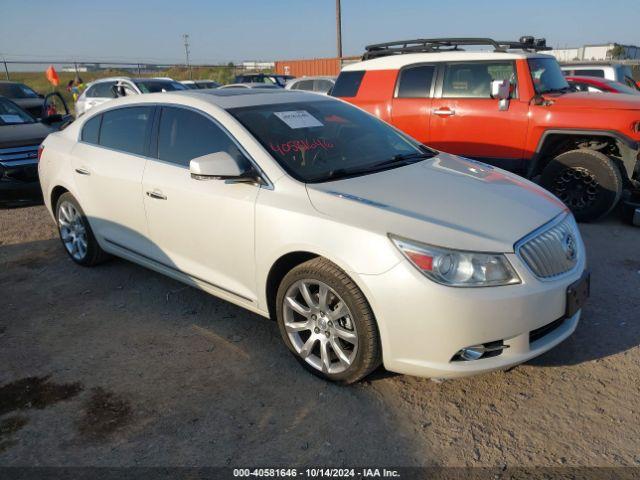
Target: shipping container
<point x="312" y="67"/>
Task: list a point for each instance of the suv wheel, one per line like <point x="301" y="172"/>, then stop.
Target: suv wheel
<point x="327" y="323"/>
<point x="75" y="233"/>
<point x="587" y="181"/>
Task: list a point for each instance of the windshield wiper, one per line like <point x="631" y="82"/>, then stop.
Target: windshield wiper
<point x="396" y="160"/>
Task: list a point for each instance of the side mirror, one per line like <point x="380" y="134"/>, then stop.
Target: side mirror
<point x="501" y="89"/>
<point x="221" y="166"/>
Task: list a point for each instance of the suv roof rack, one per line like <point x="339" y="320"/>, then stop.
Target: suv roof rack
<point x="432" y="45"/>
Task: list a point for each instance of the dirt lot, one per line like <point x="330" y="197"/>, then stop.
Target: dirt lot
<point x="118" y="365"/>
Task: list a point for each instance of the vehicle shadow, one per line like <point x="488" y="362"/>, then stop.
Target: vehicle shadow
<point x="205" y="382"/>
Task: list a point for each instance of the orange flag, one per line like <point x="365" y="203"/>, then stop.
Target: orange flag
<point x="52" y="76"/>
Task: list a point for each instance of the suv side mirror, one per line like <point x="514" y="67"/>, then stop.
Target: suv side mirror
<point x="221" y="166"/>
<point x="501" y="89"/>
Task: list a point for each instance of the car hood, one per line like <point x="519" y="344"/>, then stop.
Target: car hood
<point x="617" y="101"/>
<point x="447" y="201"/>
<point x="23" y="134"/>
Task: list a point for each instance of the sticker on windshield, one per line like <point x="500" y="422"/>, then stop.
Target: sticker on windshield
<point x="8" y="118"/>
<point x="298" y="119"/>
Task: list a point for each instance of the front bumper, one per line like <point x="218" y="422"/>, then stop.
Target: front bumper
<point x="423" y="325"/>
<point x="19" y="183"/>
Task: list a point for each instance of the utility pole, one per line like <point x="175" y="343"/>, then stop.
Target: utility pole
<point x="6" y="70"/>
<point x="185" y="37"/>
<point x="339" y="28"/>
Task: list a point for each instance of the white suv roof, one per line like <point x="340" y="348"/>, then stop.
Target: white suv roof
<point x="395" y="62"/>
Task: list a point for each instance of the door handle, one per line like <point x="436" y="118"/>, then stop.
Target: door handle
<point x="83" y="171"/>
<point x="444" y="112"/>
<point x="156" y="195"/>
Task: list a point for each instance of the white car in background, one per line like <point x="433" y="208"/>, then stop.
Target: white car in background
<point x="266" y="86"/>
<point x="364" y="245"/>
<point x="321" y="85"/>
<point x="105" y="89"/>
<point x="616" y="72"/>
<point x="199" y="84"/>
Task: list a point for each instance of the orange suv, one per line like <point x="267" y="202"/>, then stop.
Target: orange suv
<point x="510" y="107"/>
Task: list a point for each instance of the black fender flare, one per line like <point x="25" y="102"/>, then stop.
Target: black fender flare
<point x="630" y="148"/>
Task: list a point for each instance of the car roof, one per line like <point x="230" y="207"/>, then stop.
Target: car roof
<point x="314" y="77"/>
<point x="223" y="98"/>
<point x="249" y="85"/>
<point x="395" y="62"/>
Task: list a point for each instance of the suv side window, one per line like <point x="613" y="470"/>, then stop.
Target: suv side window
<point x="348" y="84"/>
<point x="303" y="85"/>
<point x="416" y="81"/>
<point x="91" y="130"/>
<point x="473" y="79"/>
<point x="125" y="129"/>
<point x="184" y="135"/>
<point x="101" y="90"/>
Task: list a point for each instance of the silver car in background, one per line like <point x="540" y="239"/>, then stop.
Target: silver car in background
<point x="321" y="85"/>
<point x="106" y="89"/>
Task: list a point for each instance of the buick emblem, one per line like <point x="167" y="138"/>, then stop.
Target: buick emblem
<point x="569" y="246"/>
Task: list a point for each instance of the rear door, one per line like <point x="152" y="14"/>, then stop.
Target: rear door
<point x="412" y="100"/>
<point x="108" y="164"/>
<point x="203" y="228"/>
<point x="465" y="120"/>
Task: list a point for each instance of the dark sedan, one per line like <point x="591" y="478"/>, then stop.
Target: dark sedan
<point x="20" y="137"/>
<point x="23" y="96"/>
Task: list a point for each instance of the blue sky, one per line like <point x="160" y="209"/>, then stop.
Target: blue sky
<point x="228" y="30"/>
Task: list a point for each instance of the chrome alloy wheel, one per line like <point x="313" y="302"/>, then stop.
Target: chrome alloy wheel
<point x="72" y="230"/>
<point x="320" y="326"/>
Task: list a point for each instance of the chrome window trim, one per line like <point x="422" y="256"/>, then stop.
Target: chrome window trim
<point x="557" y="220"/>
<point x="267" y="184"/>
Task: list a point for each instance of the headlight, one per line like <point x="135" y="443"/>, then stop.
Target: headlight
<point x="458" y="268"/>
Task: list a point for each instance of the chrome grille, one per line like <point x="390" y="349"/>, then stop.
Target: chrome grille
<point x="10" y="157"/>
<point x="547" y="252"/>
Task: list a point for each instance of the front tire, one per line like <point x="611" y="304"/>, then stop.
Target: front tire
<point x="587" y="181"/>
<point x="76" y="234"/>
<point x="327" y="323"/>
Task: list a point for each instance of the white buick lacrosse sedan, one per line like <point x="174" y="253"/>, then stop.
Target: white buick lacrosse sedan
<point x="366" y="246"/>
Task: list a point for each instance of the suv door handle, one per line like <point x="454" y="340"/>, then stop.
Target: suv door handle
<point x="444" y="112"/>
<point x="83" y="171"/>
<point x="156" y="195"/>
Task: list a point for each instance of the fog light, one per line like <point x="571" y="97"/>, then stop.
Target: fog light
<point x="476" y="352"/>
<point x="471" y="353"/>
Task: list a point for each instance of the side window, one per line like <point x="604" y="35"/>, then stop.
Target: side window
<point x="322" y="86"/>
<point x="91" y="130"/>
<point x="184" y="135"/>
<point x="473" y="80"/>
<point x="125" y="129"/>
<point x="415" y="82"/>
<point x="348" y="84"/>
<point x="304" y="85"/>
<point x="101" y="90"/>
<point x="591" y="73"/>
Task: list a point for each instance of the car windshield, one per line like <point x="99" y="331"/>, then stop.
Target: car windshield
<point x="155" y="86"/>
<point x="317" y="141"/>
<point x="622" y="88"/>
<point x="547" y="76"/>
<point x="16" y="90"/>
<point x="11" y="114"/>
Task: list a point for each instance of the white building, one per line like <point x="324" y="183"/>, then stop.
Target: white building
<point x="596" y="52"/>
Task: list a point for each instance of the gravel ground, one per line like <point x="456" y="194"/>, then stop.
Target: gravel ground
<point x="119" y="366"/>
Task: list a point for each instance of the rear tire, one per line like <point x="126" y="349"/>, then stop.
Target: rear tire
<point x="76" y="234"/>
<point x="587" y="181"/>
<point x="332" y="332"/>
